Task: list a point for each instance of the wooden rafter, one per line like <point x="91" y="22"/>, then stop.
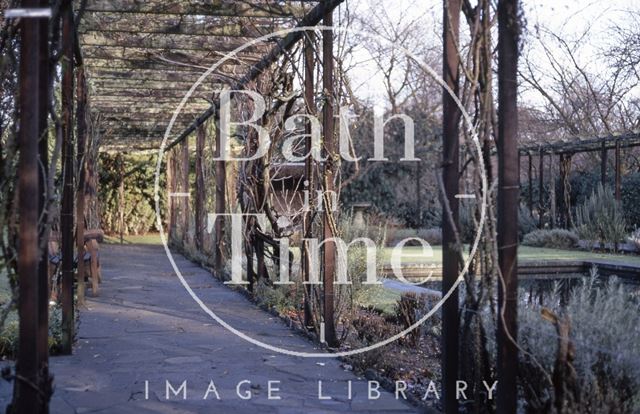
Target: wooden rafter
<point x="142" y="57"/>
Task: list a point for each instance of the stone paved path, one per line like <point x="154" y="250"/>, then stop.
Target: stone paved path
<point x="145" y="327"/>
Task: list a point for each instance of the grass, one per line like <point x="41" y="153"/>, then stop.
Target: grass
<point x="150" y="238"/>
<point x="411" y="254"/>
<point x="378" y="297"/>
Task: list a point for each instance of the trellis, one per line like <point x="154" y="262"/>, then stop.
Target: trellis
<point x="565" y="150"/>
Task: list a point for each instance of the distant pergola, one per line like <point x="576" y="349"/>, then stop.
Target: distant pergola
<point x="565" y="149"/>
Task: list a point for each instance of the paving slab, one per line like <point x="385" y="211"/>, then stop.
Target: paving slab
<point x="144" y="337"/>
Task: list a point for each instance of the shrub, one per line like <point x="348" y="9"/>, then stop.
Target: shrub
<point x="433" y="236"/>
<point x="631" y="199"/>
<point x="279" y="298"/>
<point x="603" y="372"/>
<point x="406" y="312"/>
<point x="139" y="201"/>
<point x="601" y="218"/>
<point x="584" y="183"/>
<point x="634" y="238"/>
<point x="372" y="328"/>
<point x="9" y="333"/>
<point x="555" y="239"/>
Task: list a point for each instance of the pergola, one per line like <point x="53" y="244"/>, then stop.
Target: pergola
<point x="133" y="61"/>
<point x="565" y="149"/>
<point x="138" y="77"/>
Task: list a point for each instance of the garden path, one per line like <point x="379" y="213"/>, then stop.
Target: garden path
<point x="144" y="326"/>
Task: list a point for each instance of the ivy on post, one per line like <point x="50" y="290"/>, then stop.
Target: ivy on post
<point x="184" y="189"/>
<point x="81" y="125"/>
<point x="221" y="182"/>
<point x="309" y="90"/>
<point x="200" y="191"/>
<point x="328" y="127"/>
<point x="66" y="215"/>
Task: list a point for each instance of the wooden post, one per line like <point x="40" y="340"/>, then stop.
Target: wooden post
<point x="91" y="185"/>
<point x="603" y="164"/>
<point x="66" y="215"/>
<point x="419" y="211"/>
<point x="450" y="219"/>
<point x="561" y="201"/>
<point x="45" y="380"/>
<point x="221" y="183"/>
<point x="565" y="205"/>
<point x="328" y="127"/>
<point x="508" y="195"/>
<point x="184" y="189"/>
<point x="530" y="178"/>
<point x="120" y="163"/>
<point x="27" y="385"/>
<point x="309" y="92"/>
<point x="552" y="192"/>
<point x="170" y="201"/>
<point x="200" y="190"/>
<point x="618" y="172"/>
<point x="541" y="188"/>
<point x="81" y="125"/>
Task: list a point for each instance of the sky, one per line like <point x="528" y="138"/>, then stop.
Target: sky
<point x="587" y="20"/>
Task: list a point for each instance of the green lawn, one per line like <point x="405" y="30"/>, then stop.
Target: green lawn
<point x="414" y="255"/>
<point x="151" y="238"/>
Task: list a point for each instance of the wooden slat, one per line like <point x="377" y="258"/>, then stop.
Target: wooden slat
<point x="200" y="7"/>
<point x="140" y="23"/>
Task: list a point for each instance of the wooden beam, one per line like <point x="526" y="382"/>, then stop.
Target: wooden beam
<point x="329" y="139"/>
<point x="187" y="25"/>
<point x="154" y="62"/>
<point x="144" y="113"/>
<point x="508" y="195"/>
<point x="118" y="84"/>
<point x="450" y="220"/>
<point x="198" y="57"/>
<point x="44" y="67"/>
<point x="226" y="8"/>
<point x="169" y="42"/>
<point x="149" y="94"/>
<point x="27" y="382"/>
<point x="148" y="75"/>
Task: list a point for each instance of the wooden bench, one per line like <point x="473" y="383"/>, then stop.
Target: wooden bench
<point x="91" y="258"/>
